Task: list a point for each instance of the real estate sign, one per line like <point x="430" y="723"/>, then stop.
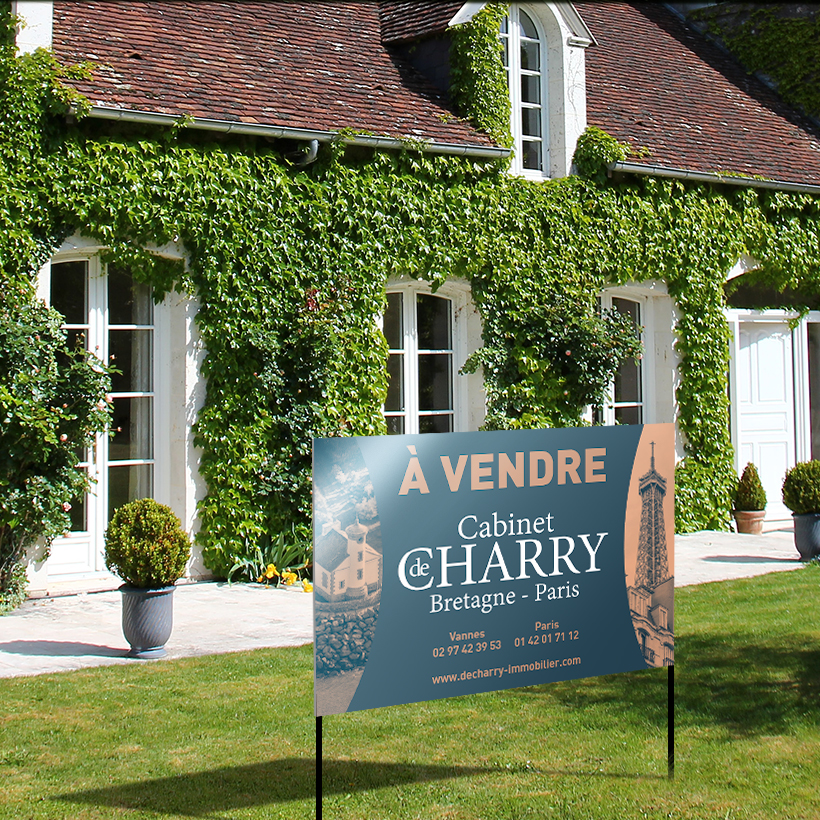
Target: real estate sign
<point x="457" y="563"/>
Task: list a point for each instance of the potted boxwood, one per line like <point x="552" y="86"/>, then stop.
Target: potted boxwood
<point x="750" y="502"/>
<point x="801" y="494"/>
<point x="146" y="546"/>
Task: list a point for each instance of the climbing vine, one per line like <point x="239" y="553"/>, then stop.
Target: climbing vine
<point x="479" y="79"/>
<point x="768" y="40"/>
<point x="289" y="267"/>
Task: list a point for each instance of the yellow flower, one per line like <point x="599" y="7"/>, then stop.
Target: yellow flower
<point x="307" y="586"/>
<point x="271" y="571"/>
<point x="260" y="579"/>
<point x="289" y="578"/>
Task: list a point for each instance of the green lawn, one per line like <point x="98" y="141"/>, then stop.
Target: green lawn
<point x="231" y="736"/>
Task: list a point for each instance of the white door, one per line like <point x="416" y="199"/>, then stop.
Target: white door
<point x="764" y="404"/>
<point x="111" y="315"/>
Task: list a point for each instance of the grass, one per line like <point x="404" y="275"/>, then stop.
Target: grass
<point x="232" y="736"/>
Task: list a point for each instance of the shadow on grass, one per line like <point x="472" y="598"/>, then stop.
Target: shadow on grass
<point x="747" y="688"/>
<point x="207" y="794"/>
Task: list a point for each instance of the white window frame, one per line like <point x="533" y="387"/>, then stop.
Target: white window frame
<point x="564" y="37"/>
<point x="647" y="362"/>
<point x="459" y="298"/>
<point x="514" y="73"/>
<point x="98" y="463"/>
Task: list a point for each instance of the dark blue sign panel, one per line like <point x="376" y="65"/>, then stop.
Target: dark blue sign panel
<point x="457" y="563"/>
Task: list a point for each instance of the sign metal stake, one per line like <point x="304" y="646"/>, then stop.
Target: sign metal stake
<point x="318" y="767"/>
<point x="670" y="707"/>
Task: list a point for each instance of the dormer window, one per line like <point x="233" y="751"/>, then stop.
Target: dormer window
<point x="524" y="51"/>
<point x="543" y="51"/>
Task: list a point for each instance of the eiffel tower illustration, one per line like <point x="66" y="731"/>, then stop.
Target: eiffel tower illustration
<point x="651" y="598"/>
<point x="653" y="565"/>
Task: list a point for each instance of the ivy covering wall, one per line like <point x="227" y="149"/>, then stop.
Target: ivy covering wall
<point x="779" y="40"/>
<point x="290" y="266"/>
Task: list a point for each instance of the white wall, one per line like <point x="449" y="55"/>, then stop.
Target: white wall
<point x="35" y="28"/>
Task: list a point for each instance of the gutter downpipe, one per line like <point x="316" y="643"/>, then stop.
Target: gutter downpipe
<point x="704" y="176"/>
<point x="283" y="132"/>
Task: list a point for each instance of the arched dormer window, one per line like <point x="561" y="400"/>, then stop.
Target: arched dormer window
<point x="544" y="46"/>
<point x="524" y="51"/>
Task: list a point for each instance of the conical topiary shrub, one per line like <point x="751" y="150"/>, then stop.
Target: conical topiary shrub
<point x="750" y="494"/>
<point x="749" y="502"/>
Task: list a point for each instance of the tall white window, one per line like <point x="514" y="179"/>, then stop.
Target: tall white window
<point x="112" y="315"/>
<point x="418" y="327"/>
<point x="525" y="61"/>
<point x="130" y="336"/>
<point x="626" y="401"/>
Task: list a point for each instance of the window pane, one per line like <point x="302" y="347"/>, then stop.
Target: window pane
<point x="128" y="483"/>
<point x="628" y="382"/>
<point x="628" y="415"/>
<point x="530" y="88"/>
<point x="531" y="157"/>
<point x="435" y="382"/>
<point x="69" y="291"/>
<point x="531" y="122"/>
<point x="132" y="424"/>
<point x="628" y="376"/>
<point x="628" y="308"/>
<point x="433" y="322"/>
<point x="394" y="322"/>
<point x="395" y="425"/>
<point x="74" y="337"/>
<point x="436" y="424"/>
<point x="129" y="302"/>
<point x="78" y="515"/>
<point x="814" y="387"/>
<point x="130" y="352"/>
<point x="395" y="383"/>
<point x="531" y="56"/>
<point x="528" y="28"/>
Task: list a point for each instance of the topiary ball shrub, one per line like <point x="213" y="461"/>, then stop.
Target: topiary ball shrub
<point x="801" y="488"/>
<point x="145" y="545"/>
<point x="750" y="494"/>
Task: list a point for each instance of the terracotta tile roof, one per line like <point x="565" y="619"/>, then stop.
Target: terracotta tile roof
<point x="655" y="83"/>
<point x="306" y="65"/>
<point x="402" y="20"/>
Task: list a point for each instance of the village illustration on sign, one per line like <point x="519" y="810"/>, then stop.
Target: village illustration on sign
<point x="347" y="577"/>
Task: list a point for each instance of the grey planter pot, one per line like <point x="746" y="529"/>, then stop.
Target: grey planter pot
<point x="807" y="535"/>
<point x="147" y="620"/>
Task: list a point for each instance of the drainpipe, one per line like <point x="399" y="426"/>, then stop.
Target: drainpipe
<point x="305" y="154"/>
<point x="715" y="178"/>
<point x="302" y="134"/>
